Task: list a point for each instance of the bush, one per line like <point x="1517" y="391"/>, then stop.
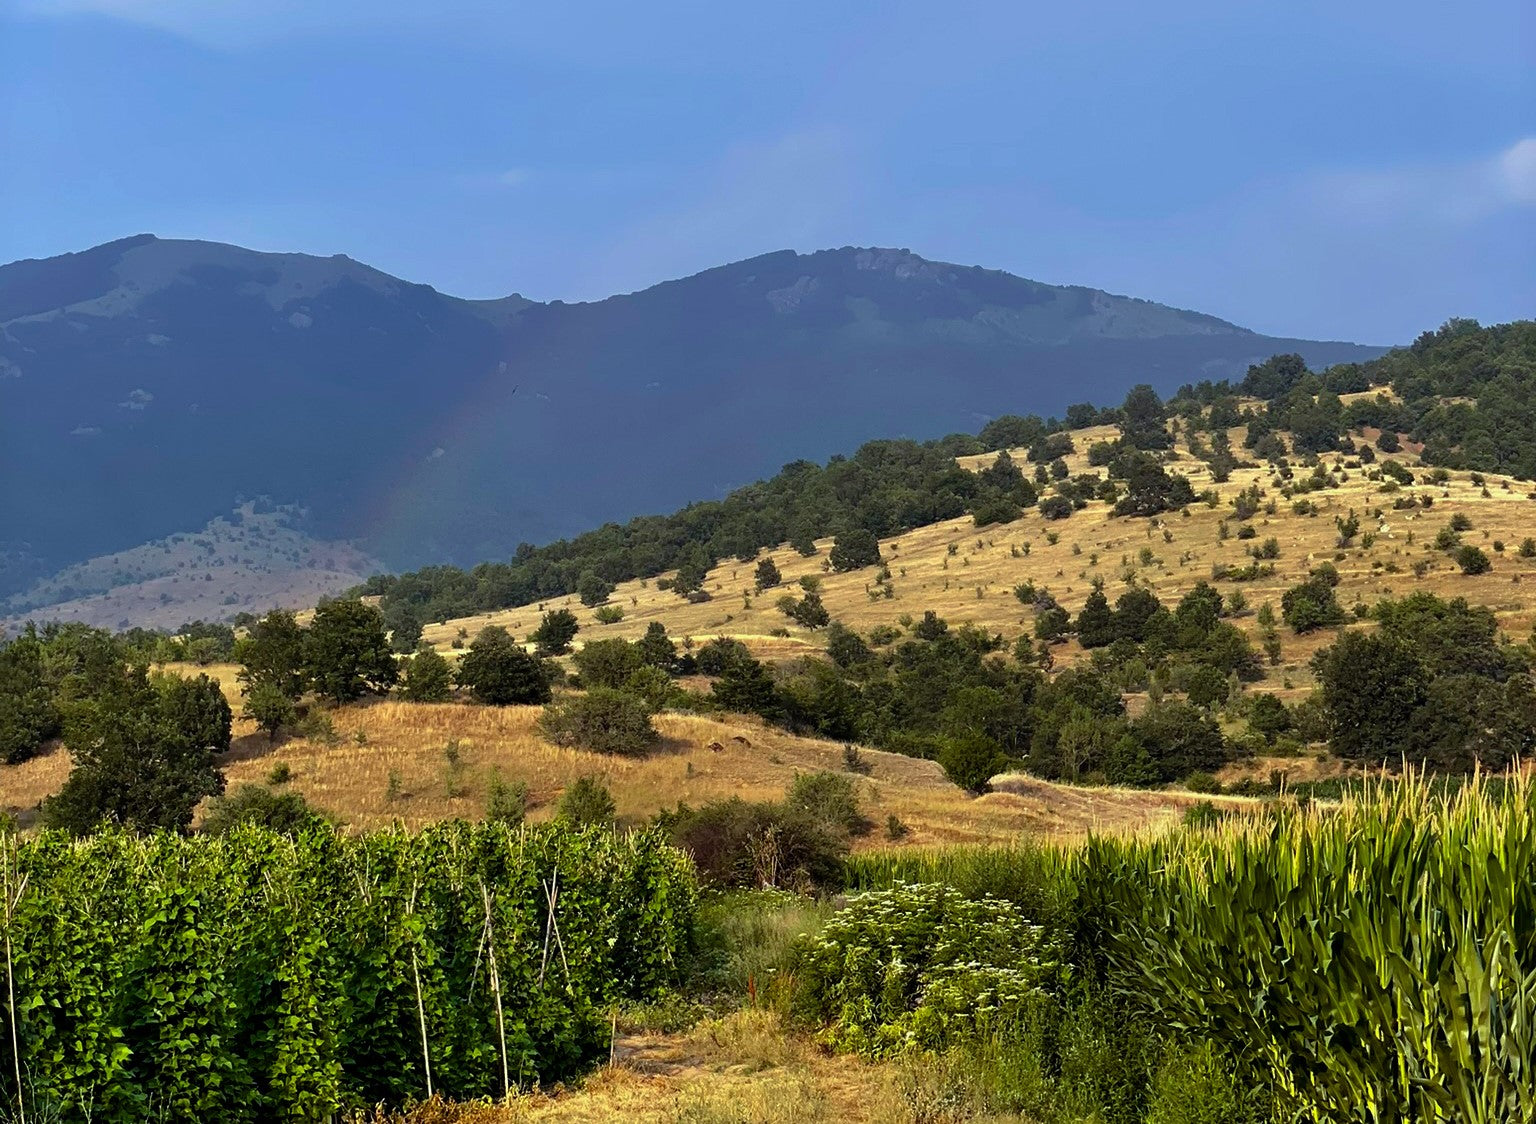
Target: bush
<point x="604" y="720"/>
<point x="498" y="672"/>
<point x="720" y="654"/>
<point x="607" y="663"/>
<point x="268" y="707"/>
<point x="427" y="678"/>
<point x="1312" y="605"/>
<point x="1203" y="815"/>
<point x="923" y="966"/>
<point x="1203" y="783"/>
<point x="609" y="614"/>
<point x="971" y="760"/>
<point x="1473" y="560"/>
<point x="1055" y="507"/>
<point x="734" y="843"/>
<point x="586" y="802"/>
<point x="287" y="813"/>
<point x="506" y="803"/>
<point x="829" y="798"/>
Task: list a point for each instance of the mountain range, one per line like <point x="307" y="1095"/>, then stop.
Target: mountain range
<point x="149" y="385"/>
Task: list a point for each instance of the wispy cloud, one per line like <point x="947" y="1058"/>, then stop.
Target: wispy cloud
<point x="1435" y="194"/>
<point x="1517" y="169"/>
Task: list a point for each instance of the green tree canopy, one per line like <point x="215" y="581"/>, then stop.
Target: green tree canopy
<point x="426" y="678"/>
<point x="555" y="632"/>
<point x="144" y="753"/>
<point x="499" y="672"/>
<point x="854" y="549"/>
<point x="347" y="653"/>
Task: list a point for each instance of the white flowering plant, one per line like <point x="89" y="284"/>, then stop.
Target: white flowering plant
<point x="923" y="966"/>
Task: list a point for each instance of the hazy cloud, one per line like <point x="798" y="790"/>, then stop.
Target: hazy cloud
<point x="1436" y="194"/>
<point x="1517" y="170"/>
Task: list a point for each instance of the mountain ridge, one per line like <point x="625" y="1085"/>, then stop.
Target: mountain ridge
<point x="147" y="383"/>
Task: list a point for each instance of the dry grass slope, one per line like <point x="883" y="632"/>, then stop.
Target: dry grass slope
<point x="390" y="761"/>
<point x="975" y="584"/>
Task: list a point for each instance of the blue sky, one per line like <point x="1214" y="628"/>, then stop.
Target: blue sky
<point x="1323" y="169"/>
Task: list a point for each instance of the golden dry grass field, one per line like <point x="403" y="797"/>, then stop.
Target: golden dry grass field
<point x="390" y="761"/>
<point x="975" y="583"/>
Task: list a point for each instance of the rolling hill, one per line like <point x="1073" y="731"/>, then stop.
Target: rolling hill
<point x="148" y="385"/>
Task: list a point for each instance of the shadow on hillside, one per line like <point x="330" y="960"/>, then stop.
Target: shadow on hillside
<point x="248" y="747"/>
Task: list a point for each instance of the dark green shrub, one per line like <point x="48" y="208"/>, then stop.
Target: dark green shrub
<point x="604" y="720"/>
<point x="586" y="802"/>
<point x="287" y="813"/>
<point x="734" y="843"/>
<point x="499" y="672"/>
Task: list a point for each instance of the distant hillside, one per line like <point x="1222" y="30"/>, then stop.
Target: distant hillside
<point x="254" y="559"/>
<point x="146" y="384"/>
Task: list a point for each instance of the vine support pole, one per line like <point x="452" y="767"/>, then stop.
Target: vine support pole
<point x="421" y="1007"/>
<point x="501" y="1023"/>
<point x="11" y="901"/>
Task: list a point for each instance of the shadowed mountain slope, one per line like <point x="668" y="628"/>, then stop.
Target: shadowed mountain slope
<point x="147" y="385"/>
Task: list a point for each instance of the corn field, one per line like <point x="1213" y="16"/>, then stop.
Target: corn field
<point x="258" y="977"/>
<point x="1377" y="961"/>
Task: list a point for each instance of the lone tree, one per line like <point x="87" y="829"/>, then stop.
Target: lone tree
<point x="269" y="708"/>
<point x="971" y="760"/>
<point x="555" y="632"/>
<point x="767" y="575"/>
<point x="498" y="672"/>
<point x="656" y="647"/>
<point x="1473" y="560"/>
<point x="346" y="651"/>
<point x="853" y="549"/>
<point x="144" y="751"/>
<point x="592" y="589"/>
<point x="426" y="678"/>
<point x="273" y="652"/>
